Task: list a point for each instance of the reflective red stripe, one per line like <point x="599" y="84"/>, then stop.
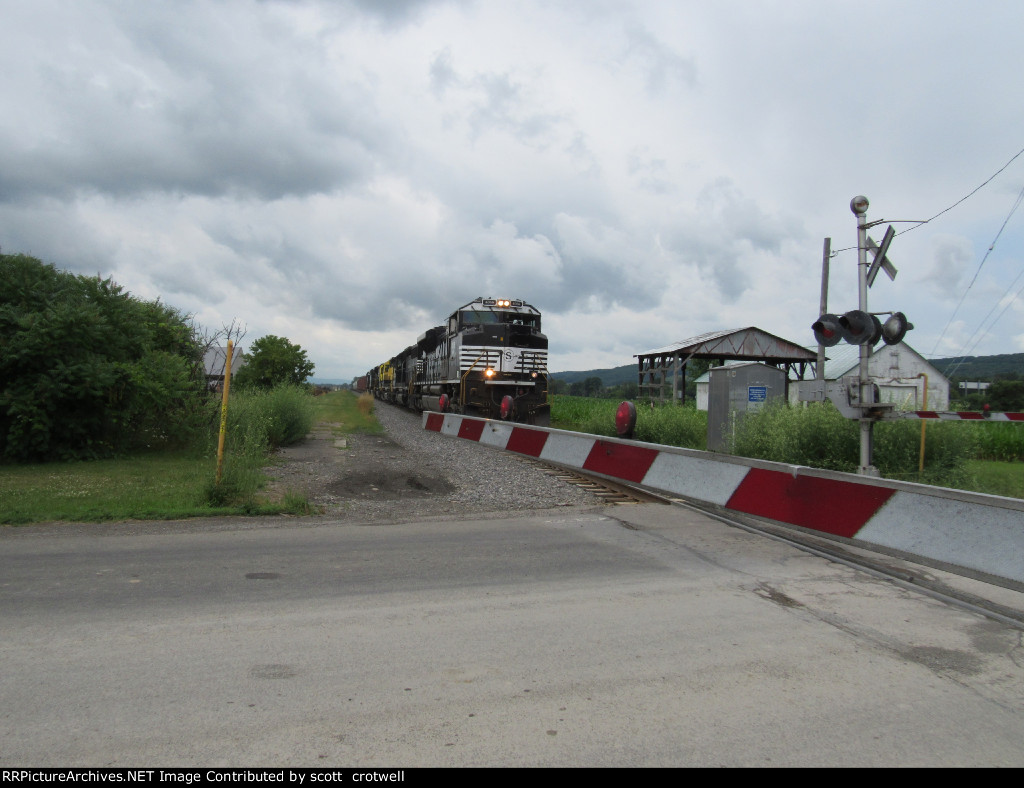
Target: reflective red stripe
<point x="835" y="507"/>
<point x="529" y="442"/>
<point x="623" y="462"/>
<point x="471" y="429"/>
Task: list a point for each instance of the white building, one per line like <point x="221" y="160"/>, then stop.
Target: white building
<point x="215" y="362"/>
<point x="899" y="371"/>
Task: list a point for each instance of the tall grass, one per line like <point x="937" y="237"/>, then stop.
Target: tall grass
<point x="666" y="424"/>
<point x="348" y="412"/>
<point x="816" y="436"/>
<point x="257" y="422"/>
<point x="995" y="440"/>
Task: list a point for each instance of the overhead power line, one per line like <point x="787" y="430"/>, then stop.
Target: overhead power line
<point x="971" y="194"/>
<point x="918" y="222"/>
<point x="1016" y="205"/>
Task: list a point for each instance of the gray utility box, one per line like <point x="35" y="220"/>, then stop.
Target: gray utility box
<point x="734" y="391"/>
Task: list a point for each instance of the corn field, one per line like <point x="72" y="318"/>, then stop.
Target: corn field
<point x="815" y="435"/>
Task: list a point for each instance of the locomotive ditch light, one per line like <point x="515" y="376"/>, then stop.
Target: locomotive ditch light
<point x="895" y="328"/>
<point x="827" y="330"/>
<point x="489" y="372"/>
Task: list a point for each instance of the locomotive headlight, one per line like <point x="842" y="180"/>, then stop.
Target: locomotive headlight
<point x="503" y="303"/>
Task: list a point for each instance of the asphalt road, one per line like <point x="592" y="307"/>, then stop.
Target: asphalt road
<point x="625" y="636"/>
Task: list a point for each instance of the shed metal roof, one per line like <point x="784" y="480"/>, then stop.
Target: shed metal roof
<point x="749" y="344"/>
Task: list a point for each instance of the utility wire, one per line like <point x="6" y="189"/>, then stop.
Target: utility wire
<point x="1016" y="205"/>
<point x="918" y="223"/>
<point x="1006" y="306"/>
<point x="968" y="196"/>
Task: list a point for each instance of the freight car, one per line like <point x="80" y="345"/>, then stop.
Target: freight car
<point x="490" y="359"/>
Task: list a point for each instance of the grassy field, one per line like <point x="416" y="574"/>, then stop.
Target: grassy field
<point x="347" y="413"/>
<point x="162" y="486"/>
<point x="996" y="478"/>
<point x="178" y="485"/>
<point x="144" y="486"/>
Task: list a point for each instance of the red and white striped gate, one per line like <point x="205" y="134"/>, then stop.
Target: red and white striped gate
<point x="981" y="533"/>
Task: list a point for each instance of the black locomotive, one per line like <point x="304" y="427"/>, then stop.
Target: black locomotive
<point x="490" y="360"/>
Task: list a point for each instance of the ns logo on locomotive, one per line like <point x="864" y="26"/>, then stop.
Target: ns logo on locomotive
<point x="490" y="360"/>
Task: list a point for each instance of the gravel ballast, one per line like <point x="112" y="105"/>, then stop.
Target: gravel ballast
<point x="410" y="473"/>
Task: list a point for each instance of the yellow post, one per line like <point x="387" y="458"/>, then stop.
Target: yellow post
<point x="224" y="413"/>
<point x="924" y="422"/>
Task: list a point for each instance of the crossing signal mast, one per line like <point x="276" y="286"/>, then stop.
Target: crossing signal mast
<point x="857" y="398"/>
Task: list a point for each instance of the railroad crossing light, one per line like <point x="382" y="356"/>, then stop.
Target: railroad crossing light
<point x="827" y="330"/>
<point x="895" y="328"/>
<point x="857" y="327"/>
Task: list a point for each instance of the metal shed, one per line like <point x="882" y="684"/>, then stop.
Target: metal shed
<point x="662" y="372"/>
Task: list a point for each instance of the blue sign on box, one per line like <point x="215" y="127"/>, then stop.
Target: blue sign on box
<point x="757" y="393"/>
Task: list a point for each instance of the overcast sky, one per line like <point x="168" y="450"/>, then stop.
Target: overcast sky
<point x="346" y="173"/>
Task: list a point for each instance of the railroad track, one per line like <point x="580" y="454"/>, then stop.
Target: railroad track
<point x="610" y="492"/>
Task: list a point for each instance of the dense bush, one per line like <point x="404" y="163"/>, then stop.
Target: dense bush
<point x="259" y="421"/>
<point x="87" y="370"/>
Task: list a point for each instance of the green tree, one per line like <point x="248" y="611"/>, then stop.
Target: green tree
<point x="86" y="369"/>
<point x="274" y="361"/>
<point x="593" y="386"/>
<point x="1005" y="395"/>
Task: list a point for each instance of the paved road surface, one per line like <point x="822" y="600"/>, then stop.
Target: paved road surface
<point x="625" y="636"/>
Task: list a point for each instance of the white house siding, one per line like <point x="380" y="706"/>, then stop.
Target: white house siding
<point x="895" y="369"/>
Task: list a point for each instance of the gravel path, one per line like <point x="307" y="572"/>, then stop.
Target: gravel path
<point x="409" y="473"/>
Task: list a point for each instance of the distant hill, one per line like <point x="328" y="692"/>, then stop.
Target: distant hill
<point x="609" y="377"/>
<point x="980" y="367"/>
<point x="969" y="368"/>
